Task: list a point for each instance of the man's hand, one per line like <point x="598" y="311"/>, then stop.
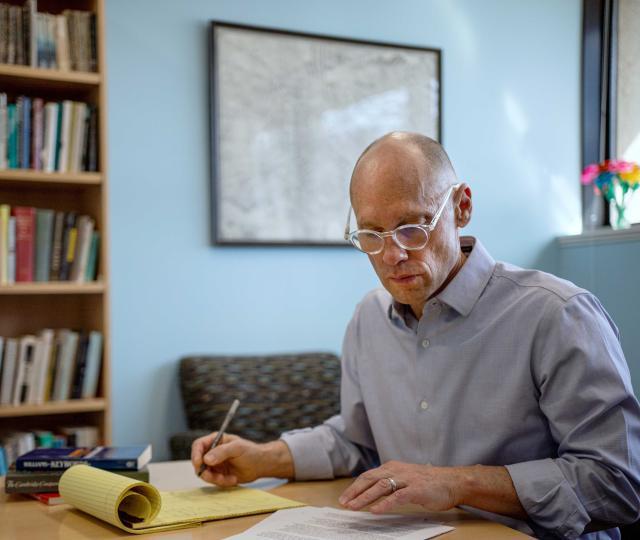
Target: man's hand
<point x="236" y="460"/>
<point x="434" y="488"/>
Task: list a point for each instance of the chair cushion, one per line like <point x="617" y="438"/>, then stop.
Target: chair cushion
<point x="276" y="392"/>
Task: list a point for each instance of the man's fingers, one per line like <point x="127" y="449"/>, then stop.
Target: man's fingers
<point x="219" y="479"/>
<point x="389" y="503"/>
<point x="362" y="483"/>
<point x="201" y="446"/>
<point x="223" y="452"/>
<point x="381" y="488"/>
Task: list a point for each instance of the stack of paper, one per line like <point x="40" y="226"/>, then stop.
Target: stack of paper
<point x="139" y="507"/>
<point x="313" y="522"/>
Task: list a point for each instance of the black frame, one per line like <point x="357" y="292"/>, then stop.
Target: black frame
<point x="214" y="108"/>
<point x="599" y="90"/>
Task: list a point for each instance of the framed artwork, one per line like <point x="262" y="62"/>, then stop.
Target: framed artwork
<point x="291" y="113"/>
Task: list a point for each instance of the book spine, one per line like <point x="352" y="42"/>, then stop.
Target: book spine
<point x="68" y="246"/>
<point x="11" y="252"/>
<point x="5" y="210"/>
<point x="12" y="138"/>
<point x="38" y="134"/>
<point x="25" y="131"/>
<point x="30" y="485"/>
<point x="56" y="251"/>
<point x="44" y="234"/>
<point x="4" y="127"/>
<point x="25" y="231"/>
<point x="94" y="362"/>
<point x="48" y="464"/>
<point x="92" y="262"/>
<point x="81" y="367"/>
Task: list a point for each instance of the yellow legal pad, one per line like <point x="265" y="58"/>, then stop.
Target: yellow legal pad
<point x="138" y="507"/>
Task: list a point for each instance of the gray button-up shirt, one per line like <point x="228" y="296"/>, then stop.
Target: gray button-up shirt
<point x="506" y="367"/>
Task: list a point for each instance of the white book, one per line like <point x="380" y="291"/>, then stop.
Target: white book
<point x="94" y="363"/>
<point x="8" y="371"/>
<point x="11" y="251"/>
<point x="83" y="244"/>
<point x="50" y="137"/>
<point x="78" y="129"/>
<point x="3" y="131"/>
<point x="24" y="369"/>
<point x="62" y="44"/>
<point x="43" y="361"/>
<point x="65" y="136"/>
<point x="65" y="365"/>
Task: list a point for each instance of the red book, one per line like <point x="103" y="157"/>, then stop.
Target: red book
<point x="48" y="498"/>
<point x="25" y="235"/>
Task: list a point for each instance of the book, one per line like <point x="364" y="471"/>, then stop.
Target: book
<point x="92" y="263"/>
<point x="101" y="457"/>
<point x="11" y="251"/>
<point x="25" y="238"/>
<point x="103" y="494"/>
<point x="3" y="125"/>
<point x="47" y="481"/>
<point x="37" y="139"/>
<point x="56" y="249"/>
<point x="48" y="498"/>
<point x="5" y="211"/>
<point x="44" y="235"/>
<point x="44" y="347"/>
<point x="9" y="362"/>
<point x="83" y="245"/>
<point x="67" y="348"/>
<point x="94" y="362"/>
<point x="24" y="370"/>
<point x="81" y="367"/>
<point x="67" y="252"/>
<point x="50" y="137"/>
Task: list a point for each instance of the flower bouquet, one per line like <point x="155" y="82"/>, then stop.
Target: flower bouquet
<point x="617" y="180"/>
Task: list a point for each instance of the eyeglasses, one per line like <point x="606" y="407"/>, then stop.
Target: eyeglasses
<point x="409" y="237"/>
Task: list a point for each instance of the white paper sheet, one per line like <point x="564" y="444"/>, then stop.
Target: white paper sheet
<point x="312" y="522"/>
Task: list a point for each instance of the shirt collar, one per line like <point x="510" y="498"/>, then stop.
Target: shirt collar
<point x="465" y="288"/>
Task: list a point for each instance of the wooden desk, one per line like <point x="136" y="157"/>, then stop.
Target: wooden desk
<point x="24" y="518"/>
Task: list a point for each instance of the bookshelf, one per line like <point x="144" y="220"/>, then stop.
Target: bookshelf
<point x="29" y="307"/>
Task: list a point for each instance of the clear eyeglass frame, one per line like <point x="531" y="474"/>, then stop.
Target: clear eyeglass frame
<point x="418" y="232"/>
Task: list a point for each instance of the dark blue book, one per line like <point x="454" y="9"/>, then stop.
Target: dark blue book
<point x="128" y="458"/>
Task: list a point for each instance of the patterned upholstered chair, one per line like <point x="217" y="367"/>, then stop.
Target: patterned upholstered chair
<point x="276" y="393"/>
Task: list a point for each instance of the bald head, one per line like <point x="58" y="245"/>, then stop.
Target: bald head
<point x="403" y="157"/>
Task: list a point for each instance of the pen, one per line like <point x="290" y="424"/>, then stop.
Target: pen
<point x="223" y="428"/>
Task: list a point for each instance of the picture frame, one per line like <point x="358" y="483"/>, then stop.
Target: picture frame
<point x="290" y="113"/>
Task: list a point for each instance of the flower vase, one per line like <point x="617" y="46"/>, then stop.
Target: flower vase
<point x="617" y="216"/>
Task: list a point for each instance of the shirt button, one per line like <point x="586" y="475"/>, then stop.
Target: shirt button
<point x="424" y="405"/>
<point x="425" y="343"/>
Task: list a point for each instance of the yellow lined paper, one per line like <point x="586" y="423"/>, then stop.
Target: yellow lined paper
<point x="138" y="507"/>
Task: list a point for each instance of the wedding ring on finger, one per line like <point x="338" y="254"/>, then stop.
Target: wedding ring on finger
<point x="393" y="484"/>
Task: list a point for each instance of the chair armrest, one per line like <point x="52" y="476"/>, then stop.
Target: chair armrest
<point x="180" y="443"/>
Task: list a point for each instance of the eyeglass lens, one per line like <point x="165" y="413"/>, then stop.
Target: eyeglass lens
<point x="407" y="237"/>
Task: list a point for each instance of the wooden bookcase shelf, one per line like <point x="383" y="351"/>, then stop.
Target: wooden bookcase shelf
<point x="54" y="407"/>
<point x="29" y="176"/>
<point x="28" y="76"/>
<point x="60" y="287"/>
<point x="30" y="307"/>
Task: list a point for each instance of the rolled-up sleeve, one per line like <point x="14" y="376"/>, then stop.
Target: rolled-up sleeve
<point x="585" y="393"/>
<point x="343" y="445"/>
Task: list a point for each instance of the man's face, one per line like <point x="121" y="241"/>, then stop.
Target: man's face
<point x="388" y="191"/>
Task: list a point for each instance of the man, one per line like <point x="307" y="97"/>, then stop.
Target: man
<point x="474" y="383"/>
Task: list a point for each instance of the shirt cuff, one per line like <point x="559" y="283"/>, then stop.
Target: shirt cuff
<point x="310" y="458"/>
<point x="548" y="498"/>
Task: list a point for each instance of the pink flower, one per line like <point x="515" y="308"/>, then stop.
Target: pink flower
<point x="618" y="166"/>
<point x="589" y="174"/>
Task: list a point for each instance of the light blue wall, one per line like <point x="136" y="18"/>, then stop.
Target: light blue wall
<point x="510" y="122"/>
<point x="610" y="271"/>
